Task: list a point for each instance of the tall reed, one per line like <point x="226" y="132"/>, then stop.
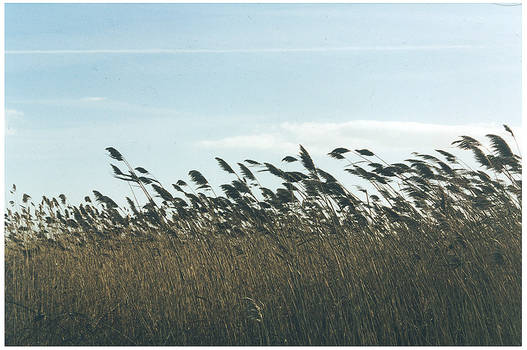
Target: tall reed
<point x="426" y="252"/>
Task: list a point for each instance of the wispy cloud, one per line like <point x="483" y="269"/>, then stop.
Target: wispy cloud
<point x="100" y="102"/>
<point x="11" y="116"/>
<point x="243" y="50"/>
<point x="13" y="113"/>
<point x="383" y="136"/>
<point x="93" y="99"/>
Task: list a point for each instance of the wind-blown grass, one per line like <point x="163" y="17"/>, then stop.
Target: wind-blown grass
<point x="429" y="254"/>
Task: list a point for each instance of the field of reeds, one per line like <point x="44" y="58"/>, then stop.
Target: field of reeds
<point x="422" y="252"/>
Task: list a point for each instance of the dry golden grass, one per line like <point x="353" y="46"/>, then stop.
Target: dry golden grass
<point x="331" y="291"/>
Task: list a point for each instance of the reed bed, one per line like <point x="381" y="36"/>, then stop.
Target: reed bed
<point x="427" y="253"/>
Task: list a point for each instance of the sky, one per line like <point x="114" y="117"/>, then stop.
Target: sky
<point x="172" y="86"/>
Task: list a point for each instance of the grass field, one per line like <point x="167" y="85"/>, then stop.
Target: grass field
<point x="427" y="253"/>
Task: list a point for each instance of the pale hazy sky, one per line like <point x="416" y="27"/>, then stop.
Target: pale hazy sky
<point x="173" y="85"/>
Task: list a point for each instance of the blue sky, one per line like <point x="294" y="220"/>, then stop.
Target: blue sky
<point x="174" y="85"/>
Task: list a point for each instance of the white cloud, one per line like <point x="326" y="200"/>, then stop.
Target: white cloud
<point x="93" y="99"/>
<point x="380" y="136"/>
<point x="259" y="142"/>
